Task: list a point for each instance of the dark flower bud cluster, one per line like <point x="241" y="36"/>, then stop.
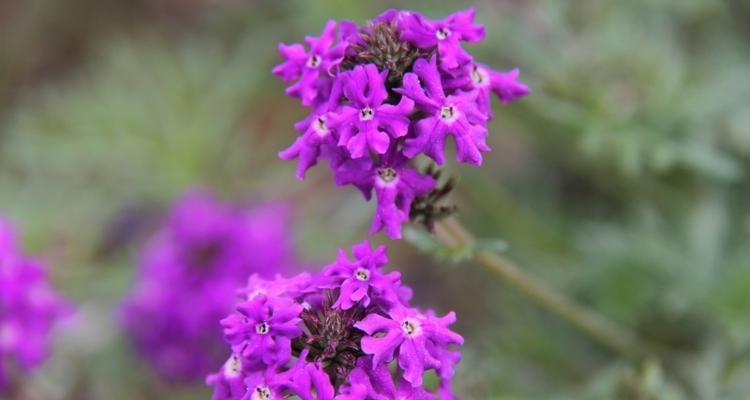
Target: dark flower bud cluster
<point x="383" y="94"/>
<point x="346" y="333"/>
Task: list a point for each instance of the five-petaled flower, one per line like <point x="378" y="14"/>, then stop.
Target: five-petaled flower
<point x="445" y="34"/>
<point x="311" y="68"/>
<point x="362" y="280"/>
<point x="366" y="122"/>
<point x="264" y="328"/>
<point x="456" y="115"/>
<point x="409" y="336"/>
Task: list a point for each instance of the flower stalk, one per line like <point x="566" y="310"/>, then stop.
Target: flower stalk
<point x="603" y="330"/>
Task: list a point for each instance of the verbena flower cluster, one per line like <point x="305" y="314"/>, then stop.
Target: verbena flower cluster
<point x="29" y="308"/>
<point x="188" y="279"/>
<point x="346" y="333"/>
<point x="382" y="94"/>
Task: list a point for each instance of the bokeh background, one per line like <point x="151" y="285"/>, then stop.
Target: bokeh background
<point x="622" y="180"/>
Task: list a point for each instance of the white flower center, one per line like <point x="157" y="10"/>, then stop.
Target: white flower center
<point x="261" y="328"/>
<point x="314" y="61"/>
<point x="8" y="336"/>
<point x="319" y="126"/>
<point x="261" y="393"/>
<point x="442" y="33"/>
<point x="362" y="274"/>
<point x="387" y="175"/>
<point x="233" y="367"/>
<point x="411" y="327"/>
<point x="255" y="293"/>
<point x="479" y="76"/>
<point x="448" y="113"/>
<point x="366" y="114"/>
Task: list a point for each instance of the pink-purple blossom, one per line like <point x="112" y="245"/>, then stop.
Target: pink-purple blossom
<point x="410" y="337"/>
<point x="484" y="80"/>
<point x="311" y="68"/>
<point x="384" y="94"/>
<point x="318" y="337"/>
<point x="396" y="185"/>
<point x="29" y="309"/>
<point x="456" y="115"/>
<point x="365" y="123"/>
<point x="445" y="34"/>
<point x="189" y="276"/>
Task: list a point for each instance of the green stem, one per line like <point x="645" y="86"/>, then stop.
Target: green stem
<point x="608" y="333"/>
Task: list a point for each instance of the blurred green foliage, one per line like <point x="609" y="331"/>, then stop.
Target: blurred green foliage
<point x="622" y="180"/>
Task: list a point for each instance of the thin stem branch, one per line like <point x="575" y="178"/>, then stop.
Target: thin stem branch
<point x="608" y="333"/>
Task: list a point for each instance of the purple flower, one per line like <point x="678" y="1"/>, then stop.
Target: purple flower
<point x="368" y="381"/>
<point x="263" y="328"/>
<point x="309" y="381"/>
<point x="446" y="34"/>
<point x="366" y="123"/>
<point x="189" y="277"/>
<point x="372" y="381"/>
<point x="362" y="280"/>
<point x="29" y="308"/>
<point x="326" y="336"/>
<point x="456" y="115"/>
<point x="362" y="89"/>
<point x="311" y="68"/>
<point x="317" y="138"/>
<point x="396" y="186"/>
<point x="481" y="78"/>
<point x="410" y="334"/>
<point x="229" y="383"/>
<point x="263" y="386"/>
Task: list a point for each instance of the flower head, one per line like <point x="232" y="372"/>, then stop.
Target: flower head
<point x="29" y="308"/>
<point x="333" y="335"/>
<point x="393" y="90"/>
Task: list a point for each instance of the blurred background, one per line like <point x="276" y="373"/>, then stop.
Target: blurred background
<point x="622" y="179"/>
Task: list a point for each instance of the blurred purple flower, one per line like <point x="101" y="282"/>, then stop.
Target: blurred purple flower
<point x="29" y="308"/>
<point x="189" y="277"/>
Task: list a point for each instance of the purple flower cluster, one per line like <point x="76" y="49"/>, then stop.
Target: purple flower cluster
<point x="346" y="333"/>
<point x="189" y="276"/>
<point x="382" y="94"/>
<point x="29" y="307"/>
